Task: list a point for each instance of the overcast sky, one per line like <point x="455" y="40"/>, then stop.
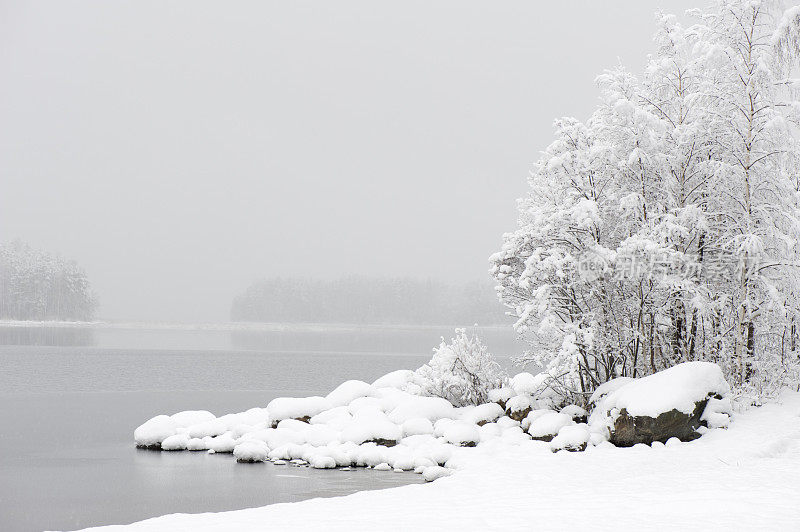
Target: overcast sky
<point x="179" y="150"/>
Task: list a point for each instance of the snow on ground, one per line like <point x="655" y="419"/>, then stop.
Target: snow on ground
<point x="746" y="477"/>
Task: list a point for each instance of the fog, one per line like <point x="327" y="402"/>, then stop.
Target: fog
<point x="180" y="150"/>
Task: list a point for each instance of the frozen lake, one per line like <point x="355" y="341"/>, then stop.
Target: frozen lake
<point x="67" y="458"/>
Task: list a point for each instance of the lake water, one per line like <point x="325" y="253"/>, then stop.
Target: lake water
<point x="67" y="414"/>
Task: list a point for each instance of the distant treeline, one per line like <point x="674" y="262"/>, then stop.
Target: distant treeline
<point x="37" y="285"/>
<point x="368" y="300"/>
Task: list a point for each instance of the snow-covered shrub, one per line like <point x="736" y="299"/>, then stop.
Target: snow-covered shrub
<point x="463" y="371"/>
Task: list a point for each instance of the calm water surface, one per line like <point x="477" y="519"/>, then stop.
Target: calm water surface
<point x="67" y="415"/>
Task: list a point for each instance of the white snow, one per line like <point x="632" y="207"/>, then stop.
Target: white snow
<point x="413" y="406"/>
<point x="396" y="379"/>
<point x="416" y="426"/>
<point x="501" y="394"/>
<point x="525" y="383"/>
<point x="487" y="412"/>
<point x="346" y="392"/>
<point x="548" y="424"/>
<point x="296" y="407"/>
<point x="191" y="417"/>
<point x="609" y="387"/>
<point x="213" y="427"/>
<point x="370" y="425"/>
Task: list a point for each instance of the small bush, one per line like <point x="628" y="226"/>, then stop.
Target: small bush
<point x="462" y="371"/>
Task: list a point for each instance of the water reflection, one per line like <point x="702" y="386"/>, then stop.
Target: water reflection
<point x="47" y="336"/>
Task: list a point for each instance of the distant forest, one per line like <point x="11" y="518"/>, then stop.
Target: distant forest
<point x="369" y="300"/>
<point x="37" y="285"/>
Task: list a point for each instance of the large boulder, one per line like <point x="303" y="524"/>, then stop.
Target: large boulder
<point x="667" y="404"/>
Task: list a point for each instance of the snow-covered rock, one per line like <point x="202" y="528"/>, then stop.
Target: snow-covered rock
<point x="435" y="472"/>
<point x="176" y="442"/>
<point x="532" y="416"/>
<point x="546" y="427"/>
<point x="432" y="408"/>
<point x="346" y="392"/>
<point x="571" y="438"/>
<point x="322" y="462"/>
<point x="372" y="427"/>
<point x="196" y="444"/>
<point x="670" y="403"/>
<point x="152" y="432"/>
<point x="224" y="443"/>
<point x="301" y="408"/>
<point x="578" y="414"/>
<point x="680" y="388"/>
<point x="482" y="414"/>
<point x="213" y="427"/>
<point x="461" y="433"/>
<point x="251" y="451"/>
<point x="518" y="407"/>
<point x="501" y="395"/>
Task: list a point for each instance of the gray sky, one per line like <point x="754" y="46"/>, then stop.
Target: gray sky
<point x="178" y="150"/>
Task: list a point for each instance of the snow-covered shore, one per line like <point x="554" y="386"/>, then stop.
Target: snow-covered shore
<point x="746" y="477"/>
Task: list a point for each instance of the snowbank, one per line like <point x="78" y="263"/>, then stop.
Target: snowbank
<point x="742" y="478"/>
<point x="386" y="425"/>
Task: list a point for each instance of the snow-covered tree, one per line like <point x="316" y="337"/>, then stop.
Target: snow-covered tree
<point x="665" y="228"/>
<point x="462" y="371"/>
<point x="35" y="285"/>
